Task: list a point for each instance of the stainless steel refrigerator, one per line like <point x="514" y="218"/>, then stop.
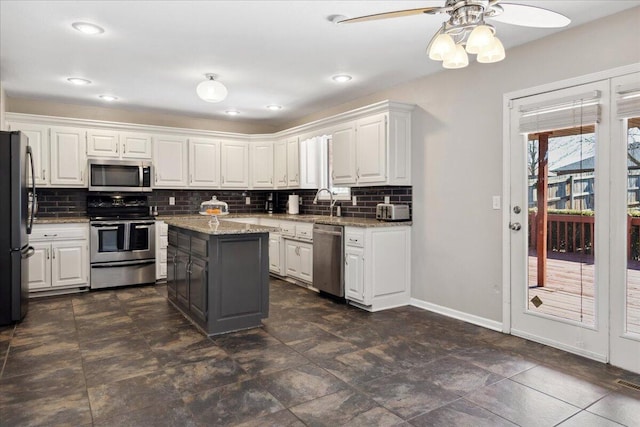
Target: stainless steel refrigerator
<point x="16" y="221"/>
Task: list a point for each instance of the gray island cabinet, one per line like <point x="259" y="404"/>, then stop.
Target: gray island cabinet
<point x="218" y="276"/>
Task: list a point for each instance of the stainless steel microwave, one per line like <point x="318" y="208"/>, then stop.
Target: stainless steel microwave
<point x="119" y="175"/>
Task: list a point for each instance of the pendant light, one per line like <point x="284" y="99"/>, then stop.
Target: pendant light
<point x="211" y="90"/>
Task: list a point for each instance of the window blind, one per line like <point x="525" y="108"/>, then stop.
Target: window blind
<point x="561" y="113"/>
<point x="628" y="101"/>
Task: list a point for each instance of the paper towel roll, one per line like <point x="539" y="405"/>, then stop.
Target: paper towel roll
<point x="293" y="206"/>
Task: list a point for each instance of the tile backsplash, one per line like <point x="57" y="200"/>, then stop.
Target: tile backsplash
<point x="55" y="202"/>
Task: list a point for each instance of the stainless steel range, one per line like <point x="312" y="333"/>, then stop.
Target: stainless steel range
<point x="122" y="240"/>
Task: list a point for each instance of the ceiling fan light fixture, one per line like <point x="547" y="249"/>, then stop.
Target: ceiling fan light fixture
<point x="480" y="39"/>
<point x="456" y="59"/>
<point x="494" y="53"/>
<point x="442" y="46"/>
<point x="211" y="90"/>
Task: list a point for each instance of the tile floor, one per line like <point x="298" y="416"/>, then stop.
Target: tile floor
<point x="128" y="358"/>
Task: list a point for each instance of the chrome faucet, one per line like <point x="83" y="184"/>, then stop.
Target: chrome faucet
<point x="333" y="202"/>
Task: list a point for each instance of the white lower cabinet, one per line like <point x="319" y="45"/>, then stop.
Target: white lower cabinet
<point x="275" y="253"/>
<point x="354" y="273"/>
<point x="162" y="243"/>
<point x="299" y="259"/>
<point x="378" y="266"/>
<point x="61" y="259"/>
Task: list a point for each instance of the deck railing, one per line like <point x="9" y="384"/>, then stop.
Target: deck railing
<point x="568" y="233"/>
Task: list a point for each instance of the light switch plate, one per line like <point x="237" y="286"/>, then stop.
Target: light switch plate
<point x="496" y="202"/>
<point x="172" y="201"/>
<point x="354" y="202"/>
<point x="387" y="199"/>
<point x="247" y="200"/>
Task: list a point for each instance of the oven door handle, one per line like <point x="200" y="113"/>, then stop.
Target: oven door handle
<point x="105" y="227"/>
<point x="123" y="263"/>
<point x="141" y="226"/>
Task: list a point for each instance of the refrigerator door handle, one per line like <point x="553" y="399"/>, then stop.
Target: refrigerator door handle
<point x="34" y="203"/>
<point x="28" y="252"/>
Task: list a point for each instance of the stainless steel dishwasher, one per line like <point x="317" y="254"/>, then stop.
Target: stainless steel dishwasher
<point x="328" y="255"/>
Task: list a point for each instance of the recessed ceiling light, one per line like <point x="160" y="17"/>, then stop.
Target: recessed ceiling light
<point x="274" y="107"/>
<point x="232" y="112"/>
<point x="341" y="78"/>
<point x="78" y="81"/>
<point x="87" y="28"/>
<point x="108" y="97"/>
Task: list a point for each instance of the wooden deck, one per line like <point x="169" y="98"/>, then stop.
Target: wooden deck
<point x="569" y="292"/>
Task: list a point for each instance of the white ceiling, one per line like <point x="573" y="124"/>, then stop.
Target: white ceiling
<point x="154" y="53"/>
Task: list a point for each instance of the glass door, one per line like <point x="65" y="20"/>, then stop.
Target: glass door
<point x="625" y="213"/>
<point x="559" y="216"/>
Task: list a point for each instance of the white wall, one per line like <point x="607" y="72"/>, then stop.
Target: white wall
<point x="457" y="156"/>
<point x="3" y="107"/>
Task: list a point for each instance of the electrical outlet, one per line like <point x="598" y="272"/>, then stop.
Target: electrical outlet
<point x="172" y="201"/>
<point x="496" y="202"/>
<point x="387" y="199"/>
<point x="354" y="201"/>
<point x="300" y="201"/>
<point x="247" y="200"/>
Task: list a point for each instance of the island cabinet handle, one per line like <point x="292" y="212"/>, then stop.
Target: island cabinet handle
<point x="124" y="148"/>
<point x="43" y="174"/>
<point x="51" y="235"/>
<point x="117" y="148"/>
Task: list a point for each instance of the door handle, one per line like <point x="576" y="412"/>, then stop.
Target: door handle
<point x="515" y="226"/>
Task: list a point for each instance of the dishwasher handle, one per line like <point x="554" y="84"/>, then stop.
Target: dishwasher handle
<point x="330" y="233"/>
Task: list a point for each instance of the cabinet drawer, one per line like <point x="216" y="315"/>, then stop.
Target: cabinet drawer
<point x="354" y="239"/>
<point x="288" y="229"/>
<point x="184" y="242"/>
<point x="304" y="232"/>
<point x="199" y="247"/>
<point x="173" y="237"/>
<point x="58" y="233"/>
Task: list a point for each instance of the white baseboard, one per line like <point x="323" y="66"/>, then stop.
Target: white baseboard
<point x="449" y="312"/>
<point x="551" y="343"/>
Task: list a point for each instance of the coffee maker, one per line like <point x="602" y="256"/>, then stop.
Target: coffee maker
<point x="269" y="204"/>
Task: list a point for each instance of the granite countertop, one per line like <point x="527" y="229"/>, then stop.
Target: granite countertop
<point x="325" y="219"/>
<point x="201" y="225"/>
<point x="61" y="220"/>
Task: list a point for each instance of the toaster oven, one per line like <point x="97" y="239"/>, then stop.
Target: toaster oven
<point x="391" y="212"/>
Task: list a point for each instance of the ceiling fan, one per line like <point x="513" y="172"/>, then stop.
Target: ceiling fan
<point x="467" y="32"/>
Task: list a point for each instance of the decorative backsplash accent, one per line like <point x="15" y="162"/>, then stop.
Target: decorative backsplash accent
<point x="55" y="202"/>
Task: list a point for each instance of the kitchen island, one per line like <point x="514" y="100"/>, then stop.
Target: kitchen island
<point x="218" y="275"/>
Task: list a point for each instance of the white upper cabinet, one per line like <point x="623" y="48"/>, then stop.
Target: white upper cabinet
<point x="310" y="163"/>
<point x="135" y="145"/>
<point x="280" y="164"/>
<point x="68" y="157"/>
<point x="286" y="163"/>
<point x="371" y="149"/>
<point x="170" y="161"/>
<point x="262" y="165"/>
<point x="103" y="143"/>
<point x="204" y="163"/>
<point x="293" y="162"/>
<point x="234" y="164"/>
<point x="113" y="144"/>
<point x="343" y="154"/>
<point x="39" y="142"/>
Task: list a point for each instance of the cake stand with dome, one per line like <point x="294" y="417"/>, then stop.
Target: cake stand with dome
<point x="214" y="208"/>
